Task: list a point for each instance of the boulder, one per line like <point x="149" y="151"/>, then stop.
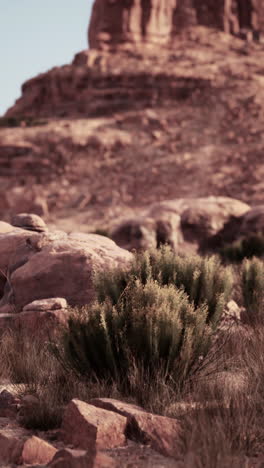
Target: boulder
<point x="10" y="242"/>
<point x="248" y="224"/>
<point x="31" y="222"/>
<point x="184" y="223"/>
<point x="37" y="451"/>
<point x="205" y="217"/>
<point x="138" y="233"/>
<point x="90" y="428"/>
<point x="162" y="433"/>
<point x="146" y="232"/>
<point x="50" y="265"/>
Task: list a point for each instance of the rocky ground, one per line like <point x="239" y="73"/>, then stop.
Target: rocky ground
<point x="101" y="436"/>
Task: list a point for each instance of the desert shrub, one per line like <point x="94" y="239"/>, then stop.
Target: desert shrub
<point x="152" y="327"/>
<point x="248" y="247"/>
<point x="204" y="280"/>
<point x="160" y="314"/>
<point x="30" y="366"/>
<point x="253" y="289"/>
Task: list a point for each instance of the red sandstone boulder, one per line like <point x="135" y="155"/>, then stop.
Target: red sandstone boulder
<point x="205" y="217"/>
<point x="182" y="223"/>
<point x="42" y="266"/>
<point x="90" y="428"/>
<point x="160" y="432"/>
<point x="137" y="233"/>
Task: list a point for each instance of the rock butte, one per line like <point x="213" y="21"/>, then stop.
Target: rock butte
<point x="157" y="22"/>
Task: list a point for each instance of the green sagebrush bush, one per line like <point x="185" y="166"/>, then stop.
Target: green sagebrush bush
<point x="152" y="326"/>
<point x="247" y="247"/>
<point x="159" y="317"/>
<point x="204" y="280"/>
<point x="253" y="289"/>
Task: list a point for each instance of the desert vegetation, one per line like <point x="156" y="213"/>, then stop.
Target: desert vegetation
<point x="156" y="335"/>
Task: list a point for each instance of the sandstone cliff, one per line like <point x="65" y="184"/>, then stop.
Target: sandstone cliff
<point x="157" y="22"/>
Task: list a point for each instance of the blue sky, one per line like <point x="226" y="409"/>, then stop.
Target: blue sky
<point x="36" y="35"/>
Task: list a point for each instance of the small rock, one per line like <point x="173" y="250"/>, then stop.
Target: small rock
<point x="37" y="451"/>
<point x="31" y="222"/>
<point x="55" y="303"/>
<point x="88" y="427"/>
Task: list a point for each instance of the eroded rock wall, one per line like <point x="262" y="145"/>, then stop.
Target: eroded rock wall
<point x="116" y="22"/>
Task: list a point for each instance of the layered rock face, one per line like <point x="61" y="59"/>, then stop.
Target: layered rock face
<point x="116" y="22"/>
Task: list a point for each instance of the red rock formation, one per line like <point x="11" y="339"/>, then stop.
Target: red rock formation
<point x="116" y="22"/>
